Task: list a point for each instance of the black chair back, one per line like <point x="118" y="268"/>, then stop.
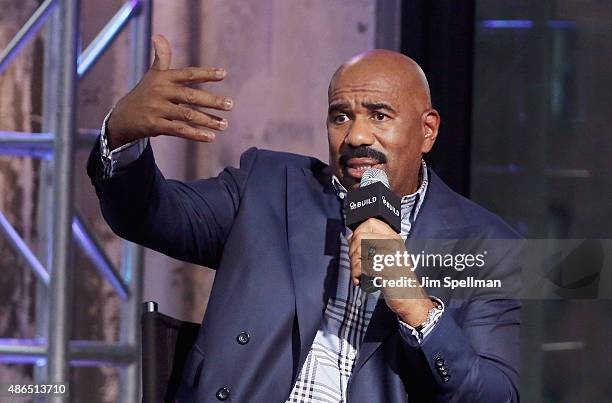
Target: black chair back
<point x="166" y="341"/>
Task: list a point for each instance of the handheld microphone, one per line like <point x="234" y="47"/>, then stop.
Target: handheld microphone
<point x="373" y="199"/>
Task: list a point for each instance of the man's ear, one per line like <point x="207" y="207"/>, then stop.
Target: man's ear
<point x="431" y="123"/>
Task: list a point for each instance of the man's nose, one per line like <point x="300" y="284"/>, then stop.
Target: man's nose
<point x="359" y="134"/>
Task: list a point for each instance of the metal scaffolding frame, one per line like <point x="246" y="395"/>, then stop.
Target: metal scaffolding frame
<point x="51" y="350"/>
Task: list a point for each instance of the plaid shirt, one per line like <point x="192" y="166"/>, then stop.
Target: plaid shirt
<point x="330" y="362"/>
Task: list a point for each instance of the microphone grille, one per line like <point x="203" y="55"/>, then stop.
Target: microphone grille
<point x="372" y="175"/>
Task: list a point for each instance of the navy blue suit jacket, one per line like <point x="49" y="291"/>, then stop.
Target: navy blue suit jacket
<point x="270" y="230"/>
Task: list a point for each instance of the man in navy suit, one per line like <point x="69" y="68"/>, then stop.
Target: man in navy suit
<point x="287" y="320"/>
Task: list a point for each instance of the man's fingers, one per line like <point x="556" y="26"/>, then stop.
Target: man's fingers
<point x="195" y="117"/>
<point x="194" y="75"/>
<point x="357" y="239"/>
<point x="355" y="248"/>
<point x="355" y="259"/>
<point x="180" y="129"/>
<point x="354" y="254"/>
<point x="163" y="53"/>
<point x="376" y="226"/>
<point x="192" y="96"/>
<point x="356" y="270"/>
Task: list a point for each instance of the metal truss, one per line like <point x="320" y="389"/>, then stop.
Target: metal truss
<point x="59" y="223"/>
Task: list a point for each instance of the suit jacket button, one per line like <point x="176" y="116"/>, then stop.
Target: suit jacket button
<point x="439" y="362"/>
<point x="223" y="393"/>
<point x="243" y="338"/>
<point x="446" y="379"/>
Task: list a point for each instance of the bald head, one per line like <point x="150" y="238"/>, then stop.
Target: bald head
<point x="398" y="69"/>
<point x="380" y="115"/>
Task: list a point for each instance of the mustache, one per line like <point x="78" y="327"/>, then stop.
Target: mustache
<point x="362" y="152"/>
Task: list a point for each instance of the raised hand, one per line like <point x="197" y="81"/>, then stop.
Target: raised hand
<point x="163" y="103"/>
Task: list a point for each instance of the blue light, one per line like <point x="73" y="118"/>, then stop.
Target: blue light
<point x="561" y="24"/>
<point x="525" y="24"/>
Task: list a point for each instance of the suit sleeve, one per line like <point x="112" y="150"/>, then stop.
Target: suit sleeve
<point x="472" y="357"/>
<point x="185" y="220"/>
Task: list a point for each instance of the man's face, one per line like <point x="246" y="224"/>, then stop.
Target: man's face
<point x="375" y="121"/>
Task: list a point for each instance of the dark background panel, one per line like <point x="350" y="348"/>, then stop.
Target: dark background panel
<point x="439" y="35"/>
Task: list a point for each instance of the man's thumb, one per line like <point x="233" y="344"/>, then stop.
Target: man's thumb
<point x="163" y="53"/>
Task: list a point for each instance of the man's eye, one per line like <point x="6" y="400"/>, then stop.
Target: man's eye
<point x="380" y="116"/>
<point x="340" y="118"/>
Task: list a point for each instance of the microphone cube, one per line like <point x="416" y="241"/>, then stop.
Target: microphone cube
<point x="373" y="201"/>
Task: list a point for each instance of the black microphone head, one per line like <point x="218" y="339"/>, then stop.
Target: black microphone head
<point x="373" y="175"/>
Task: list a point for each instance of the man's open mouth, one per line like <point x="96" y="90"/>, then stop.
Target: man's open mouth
<point x="355" y="167"/>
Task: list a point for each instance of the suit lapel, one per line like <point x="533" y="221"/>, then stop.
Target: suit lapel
<point x="313" y="209"/>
